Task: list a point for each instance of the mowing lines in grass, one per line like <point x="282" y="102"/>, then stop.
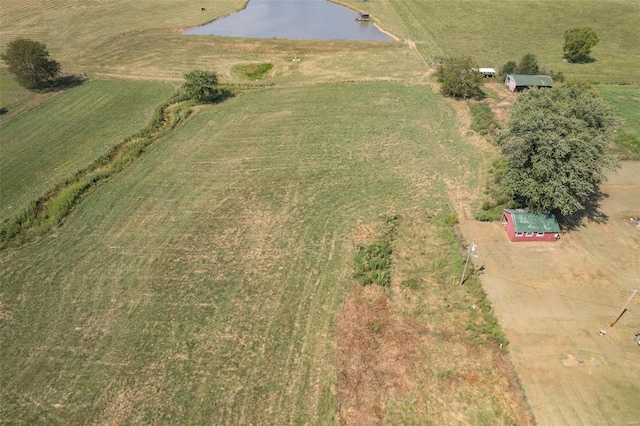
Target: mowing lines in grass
<point x="64" y="135"/>
<point x="203" y="281"/>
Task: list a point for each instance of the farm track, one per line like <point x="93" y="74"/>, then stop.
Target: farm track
<point x="423" y="39"/>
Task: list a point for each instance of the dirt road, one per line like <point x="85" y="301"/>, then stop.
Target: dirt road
<point x="554" y="298"/>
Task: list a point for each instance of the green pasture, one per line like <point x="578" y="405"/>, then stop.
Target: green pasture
<point x="200" y="284"/>
<point x="49" y="143"/>
<point x="493" y="32"/>
<point x="11" y="93"/>
<point x="626" y="101"/>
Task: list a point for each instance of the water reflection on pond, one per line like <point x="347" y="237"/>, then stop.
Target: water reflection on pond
<point x="295" y="19"/>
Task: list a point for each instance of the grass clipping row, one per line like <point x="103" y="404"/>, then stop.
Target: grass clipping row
<point x="426" y="352"/>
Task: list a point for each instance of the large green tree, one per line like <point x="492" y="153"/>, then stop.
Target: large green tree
<point x="29" y="62"/>
<point x="458" y="80"/>
<point x="202" y="86"/>
<point x="578" y="43"/>
<point x="556" y="147"/>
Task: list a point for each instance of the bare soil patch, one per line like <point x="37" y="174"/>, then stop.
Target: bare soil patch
<point x="552" y="300"/>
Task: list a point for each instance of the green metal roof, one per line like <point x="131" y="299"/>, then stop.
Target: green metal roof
<point x="532" y="80"/>
<point x="529" y="222"/>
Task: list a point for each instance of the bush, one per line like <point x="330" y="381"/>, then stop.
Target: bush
<point x="373" y="260"/>
<point x="629" y="144"/>
<point x="528" y="65"/>
<point x="373" y="263"/>
<point x="509" y="67"/>
<point x="496" y="197"/>
<point x="255" y="71"/>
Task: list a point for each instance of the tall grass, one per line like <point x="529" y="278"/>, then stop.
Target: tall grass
<point x="626" y="101"/>
<point x="484" y="324"/>
<point x="373" y="259"/>
<point x="253" y="71"/>
<point x="483" y="119"/>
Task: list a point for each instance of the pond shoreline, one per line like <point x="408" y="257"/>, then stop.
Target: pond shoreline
<point x="375" y="25"/>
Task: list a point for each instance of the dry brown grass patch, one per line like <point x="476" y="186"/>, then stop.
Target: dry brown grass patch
<point x="376" y="356"/>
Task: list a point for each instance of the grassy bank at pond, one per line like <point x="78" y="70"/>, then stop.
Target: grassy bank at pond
<point x="67" y="132"/>
<point x="200" y="285"/>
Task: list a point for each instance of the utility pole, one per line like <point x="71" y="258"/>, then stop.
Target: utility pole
<point x="473" y="250"/>
<point x="624" y="308"/>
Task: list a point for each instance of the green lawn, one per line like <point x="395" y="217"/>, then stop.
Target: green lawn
<point x="66" y="133"/>
<point x="200" y="285"/>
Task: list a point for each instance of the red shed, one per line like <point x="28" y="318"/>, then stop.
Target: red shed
<point x="523" y="226"/>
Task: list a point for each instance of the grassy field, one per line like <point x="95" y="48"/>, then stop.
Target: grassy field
<point x="11" y="92"/>
<point x="72" y="28"/>
<point x="55" y="139"/>
<point x="494" y="32"/>
<point x="200" y="285"/>
<point x="626" y="101"/>
<point x="203" y="283"/>
<point x="142" y="40"/>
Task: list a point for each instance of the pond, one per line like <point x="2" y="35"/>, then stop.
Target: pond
<point x="294" y="19"/>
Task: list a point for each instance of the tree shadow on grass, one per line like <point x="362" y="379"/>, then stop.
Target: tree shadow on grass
<point x="591" y="213"/>
<point x="224" y="94"/>
<point x="580" y="60"/>
<point x="65" y="82"/>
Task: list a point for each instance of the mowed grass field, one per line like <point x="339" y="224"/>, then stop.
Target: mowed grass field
<point x="52" y="141"/>
<point x="72" y="28"/>
<point x="200" y="285"/>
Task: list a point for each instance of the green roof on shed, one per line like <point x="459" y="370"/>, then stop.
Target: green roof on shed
<point x="532" y="80"/>
<point x="529" y="222"/>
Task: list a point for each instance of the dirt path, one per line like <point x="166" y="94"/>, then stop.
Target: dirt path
<point x="554" y="298"/>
